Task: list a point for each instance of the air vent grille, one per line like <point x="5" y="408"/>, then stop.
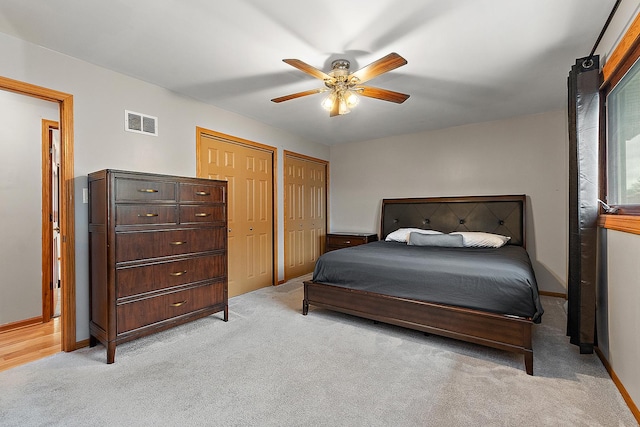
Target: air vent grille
<point x="140" y="123"/>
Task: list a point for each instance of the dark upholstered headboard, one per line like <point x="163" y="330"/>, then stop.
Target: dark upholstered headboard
<point x="492" y="214"/>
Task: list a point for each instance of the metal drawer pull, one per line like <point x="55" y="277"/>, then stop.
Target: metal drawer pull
<point x="178" y="304"/>
<point x="179" y="273"/>
<point x="147" y="190"/>
<point x="346" y="242"/>
<point x="177" y="243"/>
<point x="202" y="193"/>
<point x="147" y="215"/>
<point x="202" y="214"/>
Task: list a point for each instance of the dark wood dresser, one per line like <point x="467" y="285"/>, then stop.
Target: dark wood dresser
<point x="158" y="253"/>
<point x="345" y="240"/>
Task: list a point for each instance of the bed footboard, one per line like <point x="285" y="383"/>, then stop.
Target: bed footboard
<point x="489" y="329"/>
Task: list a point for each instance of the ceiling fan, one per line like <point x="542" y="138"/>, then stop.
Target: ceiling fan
<point x="344" y="87"/>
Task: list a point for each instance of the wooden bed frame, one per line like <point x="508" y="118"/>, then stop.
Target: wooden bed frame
<point x="495" y="214"/>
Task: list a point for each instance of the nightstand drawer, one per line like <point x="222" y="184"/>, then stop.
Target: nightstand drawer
<point x="346" y="240"/>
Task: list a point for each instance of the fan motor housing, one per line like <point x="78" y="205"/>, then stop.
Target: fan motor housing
<point x="340" y="64"/>
<point x="339" y="71"/>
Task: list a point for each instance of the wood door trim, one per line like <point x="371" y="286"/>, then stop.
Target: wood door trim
<point x="67" y="203"/>
<point x="47" y="225"/>
<point x="274" y="182"/>
<point x="325" y="163"/>
<point x="234" y="140"/>
<point x="288" y="153"/>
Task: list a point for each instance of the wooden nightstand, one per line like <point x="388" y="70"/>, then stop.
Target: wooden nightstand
<point x="346" y="240"/>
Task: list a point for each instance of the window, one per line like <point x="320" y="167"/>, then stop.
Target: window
<point x="620" y="144"/>
<point x="623" y="141"/>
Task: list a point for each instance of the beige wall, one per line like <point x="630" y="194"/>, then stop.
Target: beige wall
<point x="524" y="155"/>
<point x="100" y="98"/>
<point x="618" y="309"/>
<point x="623" y="297"/>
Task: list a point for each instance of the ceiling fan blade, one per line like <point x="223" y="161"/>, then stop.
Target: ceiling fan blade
<point x="298" y="95"/>
<point x="383" y="94"/>
<point x="303" y="66"/>
<point x="382" y="65"/>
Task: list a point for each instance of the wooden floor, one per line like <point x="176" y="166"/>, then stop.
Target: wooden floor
<point x="29" y="343"/>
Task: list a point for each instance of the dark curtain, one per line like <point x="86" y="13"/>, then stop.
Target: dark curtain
<point x="584" y="112"/>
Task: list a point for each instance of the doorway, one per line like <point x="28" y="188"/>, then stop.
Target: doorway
<point x="248" y="167"/>
<point x="66" y="195"/>
<point x="305" y="212"/>
<point x="51" y="257"/>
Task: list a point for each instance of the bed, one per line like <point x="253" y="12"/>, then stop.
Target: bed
<point x="486" y="296"/>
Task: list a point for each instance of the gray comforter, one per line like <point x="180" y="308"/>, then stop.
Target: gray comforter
<point x="496" y="280"/>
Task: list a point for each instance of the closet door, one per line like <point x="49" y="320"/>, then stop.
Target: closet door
<point x="305" y="202"/>
<point x="248" y="169"/>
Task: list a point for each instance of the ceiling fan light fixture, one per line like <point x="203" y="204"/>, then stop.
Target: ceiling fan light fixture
<point x="346" y="101"/>
<point x="342" y="105"/>
<point x="352" y="99"/>
<point x="328" y="102"/>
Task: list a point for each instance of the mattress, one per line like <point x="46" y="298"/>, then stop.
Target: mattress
<point x="497" y="280"/>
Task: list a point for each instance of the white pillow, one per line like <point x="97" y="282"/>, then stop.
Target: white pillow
<point x="402" y="234"/>
<point x="478" y="239"/>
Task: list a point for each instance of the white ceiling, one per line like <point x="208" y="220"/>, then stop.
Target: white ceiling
<point x="469" y="61"/>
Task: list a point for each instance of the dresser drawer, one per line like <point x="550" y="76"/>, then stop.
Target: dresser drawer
<point x="143" y="244"/>
<point x="136" y="314"/>
<point x="130" y="189"/>
<point x="147" y="278"/>
<point x="201" y="213"/>
<point x="201" y="193"/>
<point x="146" y="214"/>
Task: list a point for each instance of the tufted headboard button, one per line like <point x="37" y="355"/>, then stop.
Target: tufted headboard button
<point x="501" y="222"/>
<point x="462" y="221"/>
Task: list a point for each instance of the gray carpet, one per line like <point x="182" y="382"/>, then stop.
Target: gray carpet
<point x="271" y="366"/>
